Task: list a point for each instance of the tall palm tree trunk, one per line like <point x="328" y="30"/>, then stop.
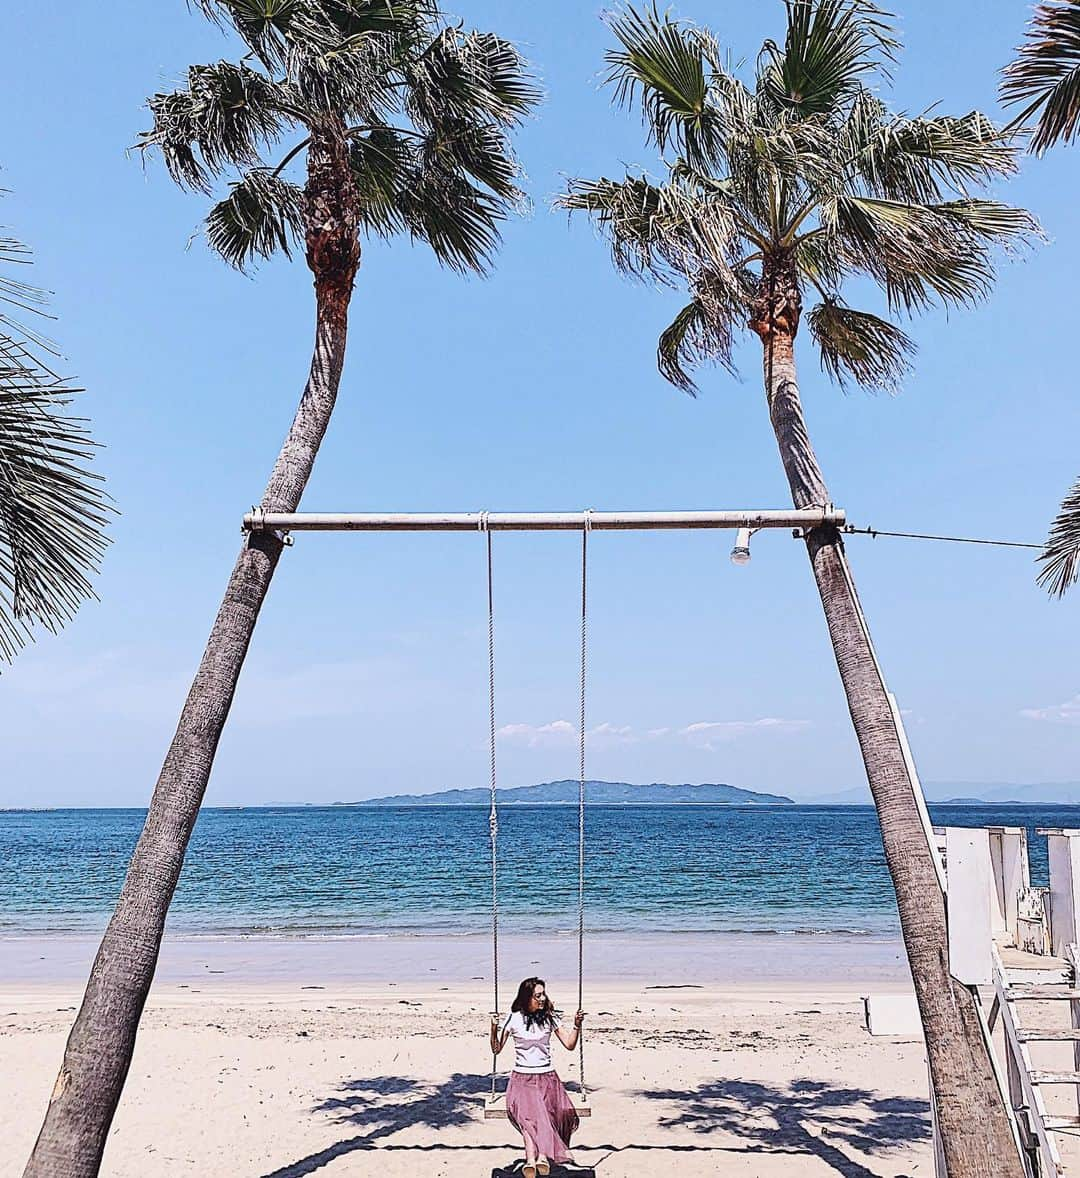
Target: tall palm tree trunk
<point x="99" y="1049"/>
<point x="974" y="1125"/>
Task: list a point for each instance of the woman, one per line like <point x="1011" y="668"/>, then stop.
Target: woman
<point x="536" y="1101"/>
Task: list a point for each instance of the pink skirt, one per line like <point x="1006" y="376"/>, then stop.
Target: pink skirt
<point x="539" y="1108"/>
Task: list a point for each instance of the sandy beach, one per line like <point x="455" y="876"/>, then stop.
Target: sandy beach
<point x="280" y="1059"/>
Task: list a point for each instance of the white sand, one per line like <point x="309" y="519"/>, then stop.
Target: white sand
<point x="292" y="1076"/>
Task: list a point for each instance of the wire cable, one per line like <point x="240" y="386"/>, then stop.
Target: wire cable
<point x="851" y="530"/>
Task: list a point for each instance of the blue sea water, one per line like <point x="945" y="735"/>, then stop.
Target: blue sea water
<point x="354" y="871"/>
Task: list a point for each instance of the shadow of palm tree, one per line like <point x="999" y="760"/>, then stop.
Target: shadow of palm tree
<point x="805" y="1118"/>
<point x="784" y="1120"/>
<point x="385" y="1105"/>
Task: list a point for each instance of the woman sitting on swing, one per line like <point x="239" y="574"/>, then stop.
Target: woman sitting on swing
<point x="536" y="1101"/>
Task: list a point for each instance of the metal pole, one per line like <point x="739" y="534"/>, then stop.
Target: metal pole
<point x="553" y="521"/>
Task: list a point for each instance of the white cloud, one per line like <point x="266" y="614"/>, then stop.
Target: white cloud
<point x="612" y="734"/>
<point x="563" y="732"/>
<point x="1066" y="713"/>
<point x="558" y="731"/>
<point x="707" y="734"/>
<point x="703" y="735"/>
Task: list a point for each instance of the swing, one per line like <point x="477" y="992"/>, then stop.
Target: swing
<point x="495" y="1103"/>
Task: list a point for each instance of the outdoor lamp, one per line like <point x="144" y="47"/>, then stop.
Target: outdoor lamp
<point x="740" y="554"/>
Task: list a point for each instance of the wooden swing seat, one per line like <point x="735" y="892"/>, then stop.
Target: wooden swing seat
<point x="495" y="1107"/>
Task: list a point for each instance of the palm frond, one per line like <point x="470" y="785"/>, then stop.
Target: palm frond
<point x="1060" y="557"/>
<point x="695" y="338"/>
<point x="261" y="214"/>
<point x="1003" y="224"/>
<point x="664" y="231"/>
<point x="53" y="510"/>
<point x="818" y="259"/>
<point x="223" y="118"/>
<point x="1045" y="75"/>
<point x="854" y="344"/>
<point x="475" y="77"/>
<point x="919" y="253"/>
<point x="353" y="78"/>
<point x="921" y="160"/>
<point x="360" y="18"/>
<point x="383" y="165"/>
<point x="480" y="151"/>
<point x="458" y="220"/>
<point x="264" y="25"/>
<point x="830" y="47"/>
<point x="662" y="64"/>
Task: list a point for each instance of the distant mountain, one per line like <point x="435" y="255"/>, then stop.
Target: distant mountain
<point x="968" y="793"/>
<point x="598" y="793"/>
<point x="1054" y="793"/>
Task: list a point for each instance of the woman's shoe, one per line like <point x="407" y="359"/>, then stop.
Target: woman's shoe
<point x="529" y="1170"/>
<point x="543" y="1167"/>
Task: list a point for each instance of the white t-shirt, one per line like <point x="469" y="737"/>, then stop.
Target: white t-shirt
<point x="532" y="1045"/>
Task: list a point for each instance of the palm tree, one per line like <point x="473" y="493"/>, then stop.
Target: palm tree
<point x="1045" y="77"/>
<point x="799" y="184"/>
<point x="53" y="510"/>
<point x="401" y="123"/>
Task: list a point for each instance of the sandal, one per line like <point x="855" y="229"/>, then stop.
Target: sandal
<point x="543" y="1167"/>
<point x="529" y="1170"/>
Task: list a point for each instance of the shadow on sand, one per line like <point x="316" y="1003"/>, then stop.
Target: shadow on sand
<point x="807" y="1119"/>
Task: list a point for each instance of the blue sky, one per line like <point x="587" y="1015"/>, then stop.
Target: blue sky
<point x="535" y="389"/>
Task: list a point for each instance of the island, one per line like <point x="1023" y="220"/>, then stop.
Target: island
<point x="597" y="793"/>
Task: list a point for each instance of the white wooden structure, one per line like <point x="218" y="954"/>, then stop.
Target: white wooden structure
<point x="1017" y="945"/>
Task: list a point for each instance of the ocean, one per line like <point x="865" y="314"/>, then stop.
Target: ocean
<point x="339" y="871"/>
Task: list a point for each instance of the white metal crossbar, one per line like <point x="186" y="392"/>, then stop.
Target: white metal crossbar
<point x="542" y="521"/>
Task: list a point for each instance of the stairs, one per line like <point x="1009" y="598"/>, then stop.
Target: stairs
<point x="1038" y="1002"/>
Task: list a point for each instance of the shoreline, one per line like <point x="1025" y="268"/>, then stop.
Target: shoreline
<point x="612" y="959"/>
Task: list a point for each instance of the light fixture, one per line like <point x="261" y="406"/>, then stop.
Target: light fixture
<point x="740" y="554"/>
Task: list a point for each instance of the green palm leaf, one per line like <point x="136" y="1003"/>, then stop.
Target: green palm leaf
<point x="854" y="344"/>
<point x="696" y="336"/>
<point x="53" y="510"/>
<point x="225" y="116"/>
<point x="383" y="164"/>
<point x="922" y="160"/>
<point x="1045" y="75"/>
<point x="479" y="151"/>
<point x="1061" y="556"/>
<point x="830" y="47"/>
<point x="922" y="253"/>
<point x="261" y="214"/>
<point x="458" y="220"/>
<point x="463" y="76"/>
<point x="264" y="25"/>
<point x="662" y="64"/>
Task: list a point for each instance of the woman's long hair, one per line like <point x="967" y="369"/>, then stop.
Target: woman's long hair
<point x="545" y="1016"/>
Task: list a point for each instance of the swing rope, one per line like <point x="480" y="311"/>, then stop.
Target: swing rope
<point x="581" y="797"/>
<point x="493" y="817"/>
